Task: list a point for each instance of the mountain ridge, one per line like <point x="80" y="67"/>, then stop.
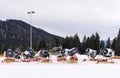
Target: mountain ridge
<point x="16" y="33"/>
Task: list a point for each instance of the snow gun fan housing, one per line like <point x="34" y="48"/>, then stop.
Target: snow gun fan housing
<point x="15" y="54"/>
<point x="29" y="53"/>
<point x="107" y="52"/>
<point x="9" y="53"/>
<point x="43" y="53"/>
<point x="91" y="53"/>
<point x="69" y="52"/>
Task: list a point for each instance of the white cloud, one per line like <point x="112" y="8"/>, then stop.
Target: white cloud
<point x="65" y="17"/>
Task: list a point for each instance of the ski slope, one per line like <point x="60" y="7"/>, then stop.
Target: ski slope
<point x="58" y="70"/>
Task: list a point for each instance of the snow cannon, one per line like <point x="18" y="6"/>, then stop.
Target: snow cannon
<point x="17" y="53"/>
<point x="107" y="52"/>
<point x="91" y="53"/>
<point x="43" y="53"/>
<point x="55" y="49"/>
<point x="9" y="53"/>
<point x="73" y="51"/>
<point x="69" y="52"/>
<point x="29" y="53"/>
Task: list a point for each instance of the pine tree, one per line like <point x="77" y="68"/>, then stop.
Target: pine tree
<point x="66" y="42"/>
<point x="92" y="41"/>
<point x="117" y="47"/>
<point x="113" y="43"/>
<point x="102" y="44"/>
<point x="71" y="42"/>
<point x="97" y="42"/>
<point x="42" y="44"/>
<point x="2" y="48"/>
<point x="55" y="42"/>
<point x="88" y="42"/>
<point x="76" y="42"/>
<point x="108" y="44"/>
<point x="83" y="45"/>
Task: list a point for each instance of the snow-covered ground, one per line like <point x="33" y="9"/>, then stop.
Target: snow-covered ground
<point x="58" y="70"/>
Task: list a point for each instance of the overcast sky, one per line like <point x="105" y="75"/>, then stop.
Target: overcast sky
<point x="67" y="17"/>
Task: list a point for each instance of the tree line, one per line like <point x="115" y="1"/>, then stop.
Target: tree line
<point x="92" y="42"/>
<point x="69" y="42"/>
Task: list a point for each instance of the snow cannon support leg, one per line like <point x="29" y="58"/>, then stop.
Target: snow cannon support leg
<point x="61" y="59"/>
<point x="8" y="60"/>
<point x="46" y="60"/>
<point x="73" y="59"/>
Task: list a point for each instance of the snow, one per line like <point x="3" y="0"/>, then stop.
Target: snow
<point x="58" y="70"/>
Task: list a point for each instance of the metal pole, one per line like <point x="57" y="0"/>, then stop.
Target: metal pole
<point x="31" y="31"/>
<point x="31" y="12"/>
